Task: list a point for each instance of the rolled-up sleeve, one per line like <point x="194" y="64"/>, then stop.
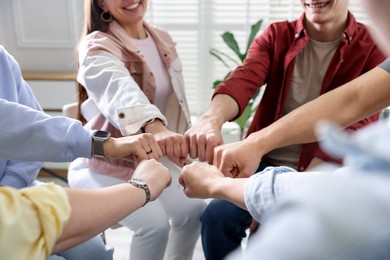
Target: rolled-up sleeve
<point x="32" y="219"/>
<point x="263" y="191"/>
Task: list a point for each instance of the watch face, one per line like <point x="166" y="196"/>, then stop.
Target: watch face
<point x="138" y="181"/>
<point x="101" y="134"/>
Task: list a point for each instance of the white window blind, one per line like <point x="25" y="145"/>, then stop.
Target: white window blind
<point x="197" y="25"/>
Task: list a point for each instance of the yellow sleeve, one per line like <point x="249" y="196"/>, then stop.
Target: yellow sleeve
<point x="31" y="220"/>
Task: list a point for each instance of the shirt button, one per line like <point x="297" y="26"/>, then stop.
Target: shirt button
<point x="301" y="168"/>
<point x="121" y="115"/>
<point x="151" y="74"/>
<point x="296" y="35"/>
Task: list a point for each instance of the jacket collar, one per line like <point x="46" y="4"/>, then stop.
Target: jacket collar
<point x="348" y="34"/>
<point x="164" y="44"/>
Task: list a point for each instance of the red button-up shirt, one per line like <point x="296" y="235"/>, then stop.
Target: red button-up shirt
<point x="271" y="61"/>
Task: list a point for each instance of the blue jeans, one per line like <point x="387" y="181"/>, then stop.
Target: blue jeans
<point x="223" y="226"/>
<point x="92" y="249"/>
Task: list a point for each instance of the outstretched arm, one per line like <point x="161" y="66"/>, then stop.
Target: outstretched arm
<point x="94" y="210"/>
<point x="345" y="105"/>
<point x="40" y="218"/>
<point x="40" y="137"/>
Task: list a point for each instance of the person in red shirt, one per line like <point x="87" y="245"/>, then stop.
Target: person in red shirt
<point x="296" y="62"/>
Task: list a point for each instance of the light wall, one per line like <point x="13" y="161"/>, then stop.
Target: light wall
<point x="41" y="34"/>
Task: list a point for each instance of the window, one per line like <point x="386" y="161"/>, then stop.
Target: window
<point x="196" y="26"/>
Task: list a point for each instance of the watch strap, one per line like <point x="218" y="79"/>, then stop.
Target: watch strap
<point x="98" y="138"/>
<point x="97" y="148"/>
<point x="143" y="185"/>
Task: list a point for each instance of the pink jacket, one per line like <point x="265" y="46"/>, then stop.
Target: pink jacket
<point x="125" y="54"/>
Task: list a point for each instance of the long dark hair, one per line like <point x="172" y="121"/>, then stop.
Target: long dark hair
<point x="92" y="22"/>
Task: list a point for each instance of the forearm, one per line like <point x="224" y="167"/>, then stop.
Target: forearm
<point x="36" y="136"/>
<point x="93" y="211"/>
<point x="231" y="190"/>
<point x="348" y="104"/>
<point x="221" y="109"/>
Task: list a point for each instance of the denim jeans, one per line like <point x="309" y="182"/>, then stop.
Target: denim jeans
<point x="92" y="249"/>
<point x="223" y="226"/>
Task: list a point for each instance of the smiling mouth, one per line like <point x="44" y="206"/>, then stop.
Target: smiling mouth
<point x="133" y="6"/>
<point x="316" y="5"/>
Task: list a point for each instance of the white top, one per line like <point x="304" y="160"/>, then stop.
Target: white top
<point x="150" y="53"/>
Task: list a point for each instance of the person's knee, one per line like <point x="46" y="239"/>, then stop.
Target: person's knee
<point x="93" y="248"/>
<point x="157" y="230"/>
<point x="216" y="212"/>
<point x="188" y="216"/>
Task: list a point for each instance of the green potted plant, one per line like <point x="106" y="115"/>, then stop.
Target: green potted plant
<point x="225" y="59"/>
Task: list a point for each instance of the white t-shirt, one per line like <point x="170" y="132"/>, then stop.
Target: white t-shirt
<point x="150" y="53"/>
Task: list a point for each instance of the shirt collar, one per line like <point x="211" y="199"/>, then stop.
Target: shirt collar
<point x="348" y="34"/>
<point x="164" y="46"/>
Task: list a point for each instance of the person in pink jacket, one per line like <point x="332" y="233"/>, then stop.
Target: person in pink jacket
<point x="131" y="81"/>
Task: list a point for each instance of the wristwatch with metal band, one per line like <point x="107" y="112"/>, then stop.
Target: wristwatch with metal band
<point x="98" y="138"/>
<point x="143" y="185"/>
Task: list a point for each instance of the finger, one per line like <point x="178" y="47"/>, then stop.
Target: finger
<point x="155" y="151"/>
<point x="139" y="152"/>
<point x="183" y="149"/>
<point x="181" y="180"/>
<point x="210" y="150"/>
<point x="169" y="150"/>
<point x="235" y="172"/>
<point x="202" y="148"/>
<point x="152" y="143"/>
<point x="226" y="167"/>
<point x="193" y="146"/>
<point x="145" y="145"/>
<point x="177" y="147"/>
<point x="217" y="157"/>
<point x="161" y="144"/>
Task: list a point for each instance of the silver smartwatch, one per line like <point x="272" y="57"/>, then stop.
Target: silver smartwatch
<point x="98" y="138"/>
<point x="143" y="185"/>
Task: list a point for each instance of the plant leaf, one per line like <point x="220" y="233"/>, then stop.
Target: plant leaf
<point x="217" y="54"/>
<point x="229" y="39"/>
<point x="220" y="56"/>
<point x="254" y="30"/>
<point x="216" y="83"/>
<point x="242" y="121"/>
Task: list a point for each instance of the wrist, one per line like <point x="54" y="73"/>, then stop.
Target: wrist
<point x="219" y="187"/>
<point x="98" y="140"/>
<point x="261" y="144"/>
<point x="108" y="147"/>
<point x="224" y="107"/>
<point x="214" y="120"/>
<point x="151" y="124"/>
<point x="139" y="183"/>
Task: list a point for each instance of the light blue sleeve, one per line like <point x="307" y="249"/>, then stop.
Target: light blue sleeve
<point x="31" y="135"/>
<point x="14" y="88"/>
<point x="261" y="190"/>
<point x="385" y="65"/>
<point x="17" y="174"/>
